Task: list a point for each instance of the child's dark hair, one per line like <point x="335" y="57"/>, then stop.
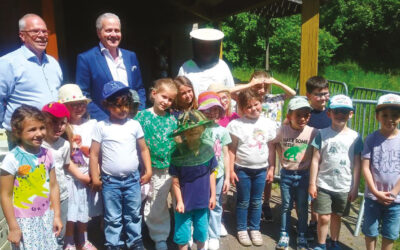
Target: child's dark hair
<point x="184" y="81"/>
<point x="19" y="115"/>
<point x="245" y="96"/>
<point x="121" y="97"/>
<point x="316" y="82"/>
<point x="163" y="84"/>
<point x="393" y="108"/>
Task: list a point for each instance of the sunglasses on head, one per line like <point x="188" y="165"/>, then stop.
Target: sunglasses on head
<point x="344" y="111"/>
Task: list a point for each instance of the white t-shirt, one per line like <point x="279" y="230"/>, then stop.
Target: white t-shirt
<point x="337" y="152"/>
<point x="201" y="78"/>
<point x="118" y="146"/>
<point x="254" y="135"/>
<point x="61" y="155"/>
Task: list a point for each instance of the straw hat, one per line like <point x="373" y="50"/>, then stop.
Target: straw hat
<point x="71" y="92"/>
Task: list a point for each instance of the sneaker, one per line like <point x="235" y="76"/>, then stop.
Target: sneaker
<point x="334" y="245"/>
<point x="88" y="246"/>
<point x="244" y="238"/>
<point x="256" y="237"/>
<point x="161" y="245"/>
<point x="266" y="213"/>
<point x="283" y="243"/>
<point x="191" y="242"/>
<point x="213" y="244"/>
<point x="302" y="242"/>
<point x="311" y="231"/>
<point x="70" y="247"/>
<point x="320" y="247"/>
<point x="223" y="232"/>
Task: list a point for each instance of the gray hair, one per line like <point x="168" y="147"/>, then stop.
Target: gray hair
<point x="22" y="21"/>
<point x="99" y="20"/>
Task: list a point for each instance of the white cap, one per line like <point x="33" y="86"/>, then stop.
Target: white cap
<point x="388" y="100"/>
<point x="207" y="34"/>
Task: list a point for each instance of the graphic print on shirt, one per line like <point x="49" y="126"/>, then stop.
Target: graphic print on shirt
<point x="217" y="148"/>
<point x="258" y="138"/>
<point x="79" y="151"/>
<point x="383" y="161"/>
<point x="293" y="152"/>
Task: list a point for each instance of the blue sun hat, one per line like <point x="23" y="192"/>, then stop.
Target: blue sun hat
<point x="113" y="87"/>
<point x="340" y="101"/>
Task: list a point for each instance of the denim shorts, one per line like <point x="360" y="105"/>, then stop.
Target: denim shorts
<point x="183" y="224"/>
<point x="378" y="217"/>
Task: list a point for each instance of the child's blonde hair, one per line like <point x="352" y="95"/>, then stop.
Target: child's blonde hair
<point x="18" y="117"/>
<point x="184" y="81"/>
<point x="163" y="84"/>
<point x="262" y="73"/>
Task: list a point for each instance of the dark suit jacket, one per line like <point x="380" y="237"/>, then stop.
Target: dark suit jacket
<point x="92" y="73"/>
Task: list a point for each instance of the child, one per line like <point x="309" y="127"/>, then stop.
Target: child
<point x="292" y="145"/>
<point x="185" y="99"/>
<point x="30" y="197"/>
<point x="210" y="106"/>
<point x="158" y="125"/>
<point x="380" y="166"/>
<point x="83" y="203"/>
<point x="337" y="152"/>
<point x="115" y="139"/>
<point x="193" y="182"/>
<point x="225" y="99"/>
<point x="57" y="116"/>
<point x="317" y="94"/>
<point x="248" y="155"/>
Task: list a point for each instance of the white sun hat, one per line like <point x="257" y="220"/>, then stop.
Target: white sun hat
<point x="71" y="92"/>
<point x="207" y="34"/>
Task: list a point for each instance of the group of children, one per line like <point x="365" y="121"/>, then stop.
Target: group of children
<point x="67" y="168"/>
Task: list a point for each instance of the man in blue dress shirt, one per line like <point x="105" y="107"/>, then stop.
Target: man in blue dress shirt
<point x="28" y="75"/>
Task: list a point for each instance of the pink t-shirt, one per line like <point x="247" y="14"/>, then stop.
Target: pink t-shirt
<point x="227" y="119"/>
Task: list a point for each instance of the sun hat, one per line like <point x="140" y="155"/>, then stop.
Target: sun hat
<point x="298" y="102"/>
<point x="340" y="101"/>
<point x="207" y="34"/>
<point x="135" y="96"/>
<point x="113" y="87"/>
<point x="209" y="99"/>
<point x="190" y="119"/>
<point x="56" y="109"/>
<point x="388" y="100"/>
<point x="218" y="87"/>
<point x="71" y="92"/>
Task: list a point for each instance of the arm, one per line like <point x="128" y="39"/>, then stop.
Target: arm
<point x="6" y="194"/>
<point x="232" y="156"/>
<point x="227" y="183"/>
<point x="213" y="201"/>
<point x="180" y="207"/>
<point x="55" y="202"/>
<point x="94" y="165"/>
<point x="5" y="85"/>
<point x="356" y="178"/>
<point x="312" y="188"/>
<point x="144" y="151"/>
<point x="235" y="90"/>
<point x="271" y="161"/>
<point x="383" y="197"/>
<point x="73" y="169"/>
<point x="288" y="90"/>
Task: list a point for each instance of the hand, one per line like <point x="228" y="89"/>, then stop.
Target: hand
<point x="212" y="203"/>
<point x="57" y="225"/>
<point x="226" y="186"/>
<point x="180" y="207"/>
<point x="96" y="185"/>
<point x="145" y="178"/>
<point x="384" y="198"/>
<point x="312" y="190"/>
<point x="353" y="194"/>
<point x="270" y="176"/>
<point x="234" y="178"/>
<point x="14" y="236"/>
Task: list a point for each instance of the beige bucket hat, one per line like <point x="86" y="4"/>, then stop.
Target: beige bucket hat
<point x="71" y="92"/>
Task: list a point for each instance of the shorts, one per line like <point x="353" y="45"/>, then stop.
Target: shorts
<point x="387" y="217"/>
<point x="183" y="224"/>
<point x="328" y="202"/>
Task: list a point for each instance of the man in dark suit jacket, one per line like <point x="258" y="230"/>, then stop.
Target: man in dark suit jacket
<point x="106" y="62"/>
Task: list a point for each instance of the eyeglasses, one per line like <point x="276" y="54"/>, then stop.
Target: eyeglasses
<point x="341" y="111"/>
<point x="36" y="32"/>
<point x="322" y="94"/>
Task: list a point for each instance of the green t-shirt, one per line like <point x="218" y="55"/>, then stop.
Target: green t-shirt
<point x="157" y="134"/>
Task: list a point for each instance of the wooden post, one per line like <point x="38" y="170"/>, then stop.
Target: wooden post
<point x="48" y="17"/>
<point x="309" y="42"/>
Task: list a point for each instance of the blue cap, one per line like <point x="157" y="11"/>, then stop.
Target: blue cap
<point x="113" y="87"/>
